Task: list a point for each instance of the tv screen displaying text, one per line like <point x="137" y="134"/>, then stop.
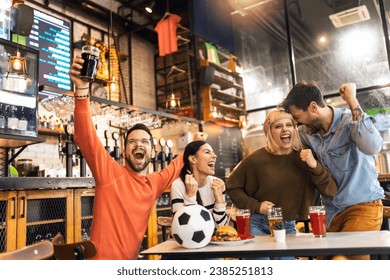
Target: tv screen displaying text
<point x="51" y="36"/>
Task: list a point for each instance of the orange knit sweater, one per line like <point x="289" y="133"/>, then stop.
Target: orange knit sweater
<point x="123" y="199"/>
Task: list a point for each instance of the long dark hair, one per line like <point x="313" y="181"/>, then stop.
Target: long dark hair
<point x="190" y="150"/>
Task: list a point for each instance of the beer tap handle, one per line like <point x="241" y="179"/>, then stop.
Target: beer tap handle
<point x="116" y="152"/>
<point x="155" y="154"/>
<point x="155" y="142"/>
<point x="162" y="153"/>
<point x="69" y="150"/>
<point x="169" y="145"/>
<point x="83" y="163"/>
<point x="60" y="154"/>
<point x="115" y="137"/>
<point x="107" y="136"/>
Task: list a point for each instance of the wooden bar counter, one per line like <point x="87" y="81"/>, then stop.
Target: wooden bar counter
<point x="37" y="208"/>
<point x="34" y="209"/>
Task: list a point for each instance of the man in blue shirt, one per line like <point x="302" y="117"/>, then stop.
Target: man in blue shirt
<point x="345" y="141"/>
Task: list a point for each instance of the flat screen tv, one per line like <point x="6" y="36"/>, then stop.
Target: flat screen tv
<point x="51" y="36"/>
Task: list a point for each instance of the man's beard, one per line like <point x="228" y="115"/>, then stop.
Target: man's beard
<point x="314" y="126"/>
<point x="138" y="168"/>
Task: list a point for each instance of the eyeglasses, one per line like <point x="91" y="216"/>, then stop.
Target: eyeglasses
<point x="133" y="141"/>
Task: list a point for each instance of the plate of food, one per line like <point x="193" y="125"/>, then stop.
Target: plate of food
<point x="228" y="236"/>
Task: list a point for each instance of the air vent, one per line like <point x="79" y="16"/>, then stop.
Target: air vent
<point x="350" y="16"/>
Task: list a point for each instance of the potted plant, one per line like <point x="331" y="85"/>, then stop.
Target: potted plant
<point x="279" y="231"/>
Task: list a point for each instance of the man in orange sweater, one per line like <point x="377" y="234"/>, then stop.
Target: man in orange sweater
<point x="124" y="195"/>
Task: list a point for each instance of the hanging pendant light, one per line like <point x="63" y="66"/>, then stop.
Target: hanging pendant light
<point x="173" y="103"/>
<point x="17" y="66"/>
<point x="113" y="84"/>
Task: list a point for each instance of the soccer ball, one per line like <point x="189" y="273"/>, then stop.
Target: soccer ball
<point x="192" y="226"/>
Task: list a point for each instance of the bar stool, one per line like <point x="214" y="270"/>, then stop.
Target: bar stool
<point x="165" y="223"/>
<point x="42" y="250"/>
<point x="72" y="251"/>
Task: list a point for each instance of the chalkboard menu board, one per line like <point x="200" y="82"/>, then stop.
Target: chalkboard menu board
<point x="226" y="143"/>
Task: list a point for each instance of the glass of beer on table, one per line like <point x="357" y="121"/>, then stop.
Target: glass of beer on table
<point x="274" y="214"/>
<point x="318" y="220"/>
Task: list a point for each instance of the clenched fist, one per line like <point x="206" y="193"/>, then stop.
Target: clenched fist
<point x="218" y="186"/>
<point x="307" y="156"/>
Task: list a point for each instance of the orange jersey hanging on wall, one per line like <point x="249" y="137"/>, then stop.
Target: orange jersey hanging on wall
<point x="167" y="37"/>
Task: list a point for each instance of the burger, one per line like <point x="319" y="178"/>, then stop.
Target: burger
<point x="225" y="233"/>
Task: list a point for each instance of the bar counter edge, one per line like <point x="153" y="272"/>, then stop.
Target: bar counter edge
<point x="12" y="183"/>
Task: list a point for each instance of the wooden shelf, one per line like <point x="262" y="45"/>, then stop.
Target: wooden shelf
<point x="223" y="70"/>
<point x="45" y="222"/>
<point x="51" y="132"/>
<point x="223" y="106"/>
<point x="16" y="141"/>
<point x="223" y="102"/>
<point x="225" y="84"/>
<point x="226" y="97"/>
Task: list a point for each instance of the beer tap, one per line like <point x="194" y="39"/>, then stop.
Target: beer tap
<point x="162" y="156"/>
<point x="116" y="152"/>
<point x="69" y="150"/>
<point x="60" y="153"/>
<point x="154" y="155"/>
<point x="169" y="145"/>
<point x="107" y="136"/>
<point x="83" y="164"/>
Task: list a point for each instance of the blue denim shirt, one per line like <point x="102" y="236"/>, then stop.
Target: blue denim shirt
<point x="347" y="151"/>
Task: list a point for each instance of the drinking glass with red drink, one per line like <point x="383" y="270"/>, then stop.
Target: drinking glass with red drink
<point x="318" y="220"/>
<point x="243" y="221"/>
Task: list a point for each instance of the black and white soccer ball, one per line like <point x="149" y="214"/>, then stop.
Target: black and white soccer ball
<point x="192" y="226"/>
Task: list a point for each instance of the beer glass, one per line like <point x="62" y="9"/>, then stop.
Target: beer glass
<point x="90" y="55"/>
<point x="318" y="220"/>
<point x="243" y="220"/>
<point x="274" y="214"/>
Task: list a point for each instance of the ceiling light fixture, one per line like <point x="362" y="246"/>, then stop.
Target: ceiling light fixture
<point x="149" y="8"/>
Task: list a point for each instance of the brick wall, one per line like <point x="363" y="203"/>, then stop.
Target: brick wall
<point x="143" y="73"/>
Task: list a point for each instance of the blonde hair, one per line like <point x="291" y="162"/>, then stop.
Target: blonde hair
<point x="276" y="115"/>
